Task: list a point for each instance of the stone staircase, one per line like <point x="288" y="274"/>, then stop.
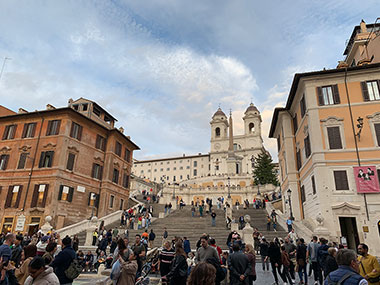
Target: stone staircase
<point x="259" y="220"/>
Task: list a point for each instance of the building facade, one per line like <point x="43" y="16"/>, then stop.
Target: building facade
<point x="68" y="163"/>
<point x="329" y="126"/>
<point x="183" y="168"/>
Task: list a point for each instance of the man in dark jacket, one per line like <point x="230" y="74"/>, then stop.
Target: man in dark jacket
<point x="238" y="264"/>
<point x="347" y="273"/>
<point x="63" y="260"/>
<point x="322" y="253"/>
<point x="17" y="250"/>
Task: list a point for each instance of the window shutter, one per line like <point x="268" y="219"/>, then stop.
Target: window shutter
<point x="97" y="200"/>
<point x="299" y="163"/>
<point x="320" y="96"/>
<point x="307" y="146"/>
<point x="341" y="181"/>
<point x="45" y="195"/>
<point x="34" y="125"/>
<point x="104" y="142"/>
<point x="24" y="130"/>
<point x="70" y="161"/>
<point x="48" y="130"/>
<point x="51" y="155"/>
<point x="8" y="201"/>
<point x="71" y="193"/>
<point x="97" y="144"/>
<point x="295" y="124"/>
<point x="72" y="130"/>
<point x="303" y="195"/>
<point x="89" y="199"/>
<point x="377" y="131"/>
<point x="364" y="90"/>
<point x="58" y="127"/>
<point x="35" y="196"/>
<point x="42" y="158"/>
<point x="313" y="185"/>
<point x="101" y="172"/>
<point x="303" y="106"/>
<point x="60" y="192"/>
<point x="336" y="94"/>
<point x="6" y="158"/>
<point x="18" y="196"/>
<point x="80" y="132"/>
<point x="6" y="130"/>
<point x="93" y="171"/>
<point x="335" y="140"/>
<point x="378" y="175"/>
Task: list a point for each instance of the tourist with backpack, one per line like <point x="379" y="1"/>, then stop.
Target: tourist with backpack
<point x="65" y="263"/>
<point x="347" y="272"/>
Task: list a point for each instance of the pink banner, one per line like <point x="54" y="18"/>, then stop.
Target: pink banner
<point x="366" y="179"/>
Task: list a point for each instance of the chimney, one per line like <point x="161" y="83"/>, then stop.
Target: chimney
<point x="121" y="129"/>
<point x="22" y="111"/>
<point x="363" y="26"/>
<point x="50" y="107"/>
<point x="71" y="102"/>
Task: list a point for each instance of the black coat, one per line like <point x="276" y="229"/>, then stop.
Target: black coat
<point x="274" y="254"/>
<point x="61" y="262"/>
<point x="238" y="264"/>
<point x="330" y="265"/>
<point x="178" y="272"/>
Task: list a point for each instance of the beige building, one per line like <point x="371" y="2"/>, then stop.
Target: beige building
<point x="183" y="168"/>
<point x="321" y="139"/>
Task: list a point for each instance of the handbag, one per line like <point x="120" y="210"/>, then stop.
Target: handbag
<point x="371" y="279"/>
<point x="116" y="270"/>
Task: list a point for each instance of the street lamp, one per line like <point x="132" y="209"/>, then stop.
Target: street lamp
<point x="290" y="203"/>
<point x="359" y="126"/>
<point x="174" y="188"/>
<point x="229" y="186"/>
<point x="258" y="190"/>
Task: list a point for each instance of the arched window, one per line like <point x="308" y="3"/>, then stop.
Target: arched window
<point x="251" y="127"/>
<point x="237" y="146"/>
<point x="217" y="132"/>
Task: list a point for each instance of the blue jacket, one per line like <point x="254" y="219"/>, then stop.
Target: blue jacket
<point x="186" y="246"/>
<point x="61" y="262"/>
<point x="336" y="275"/>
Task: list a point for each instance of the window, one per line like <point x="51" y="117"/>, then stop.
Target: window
<point x="168" y="169"/>
<point x="112" y="198"/>
<point x="313" y="185"/>
<point x="299" y="162"/>
<point x="65" y="193"/>
<point x="335" y="141"/>
<point x="181" y="167"/>
<point x="303" y="196"/>
<point x="22" y="160"/>
<point x="155" y="170"/>
<point x="195" y="163"/>
<point x="174" y="168"/>
<point x="76" y="107"/>
<point x="161" y="169"/>
<point x="93" y="199"/>
<point x="4" y="161"/>
<point x="125" y="180"/>
<point x="127" y="155"/>
<point x="370" y="90"/>
<point x="76" y="131"/>
<point x="53" y="127"/>
<point x="295" y="124"/>
<point x="187" y="167"/>
<point x="46" y="159"/>
<point x="97" y="171"/>
<point x="251" y="127"/>
<point x="29" y="130"/>
<point x="307" y="146"/>
<point x="195" y="172"/>
<point x="70" y="161"/>
<point x="100" y="143"/>
<point x="278" y="143"/>
<point x="115" y="176"/>
<point x="9" y="132"/>
<point x="341" y="181"/>
<point x="13" y="197"/>
<point x="39" y="195"/>
<point x="84" y="107"/>
<point x="180" y="177"/>
<point x="121" y="204"/>
<point x="328" y="95"/>
<point x="303" y="106"/>
<point x="377" y="131"/>
<point x="118" y="148"/>
<point x="217" y="132"/>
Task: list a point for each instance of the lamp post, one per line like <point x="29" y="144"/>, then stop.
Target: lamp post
<point x="258" y="189"/>
<point x="229" y="186"/>
<point x="174" y="188"/>
<point x="290" y="203"/>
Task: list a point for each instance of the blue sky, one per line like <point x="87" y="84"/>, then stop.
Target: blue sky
<point x="163" y="67"/>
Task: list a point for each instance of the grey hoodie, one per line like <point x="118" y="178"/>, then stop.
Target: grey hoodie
<point x="45" y="278"/>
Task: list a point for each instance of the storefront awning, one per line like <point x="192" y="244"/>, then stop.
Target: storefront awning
<point x="35" y="224"/>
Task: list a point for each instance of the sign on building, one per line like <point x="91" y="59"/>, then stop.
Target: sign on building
<point x="366" y="179"/>
<point x="20" y="223"/>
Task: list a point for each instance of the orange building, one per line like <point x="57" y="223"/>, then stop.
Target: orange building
<point x="69" y="163"/>
<point x="320" y="141"/>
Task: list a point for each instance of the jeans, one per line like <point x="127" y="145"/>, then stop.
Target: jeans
<point x="317" y="272"/>
<point x="192" y="213"/>
<point x="286" y="274"/>
<point x="276" y="269"/>
<point x="302" y="271"/>
<point x="213" y="224"/>
<point x="263" y="262"/>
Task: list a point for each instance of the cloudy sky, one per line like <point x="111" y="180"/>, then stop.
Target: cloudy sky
<point x="163" y="67"/>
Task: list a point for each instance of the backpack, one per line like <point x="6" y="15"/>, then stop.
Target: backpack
<point x="341" y="280"/>
<point x="73" y="270"/>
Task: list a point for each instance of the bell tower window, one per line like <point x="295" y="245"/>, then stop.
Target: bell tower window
<point x="251" y="127"/>
<point x="217" y="132"/>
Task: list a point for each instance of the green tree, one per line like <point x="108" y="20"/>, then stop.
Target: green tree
<point x="264" y="171"/>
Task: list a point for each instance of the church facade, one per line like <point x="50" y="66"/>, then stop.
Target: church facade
<point x="229" y="155"/>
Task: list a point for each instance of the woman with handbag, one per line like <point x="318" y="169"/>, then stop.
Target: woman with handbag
<point x="301" y="260"/>
<point x="178" y="272"/>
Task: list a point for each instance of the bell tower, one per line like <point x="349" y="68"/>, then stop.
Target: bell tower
<point x="252" y="121"/>
<point x="219" y="127"/>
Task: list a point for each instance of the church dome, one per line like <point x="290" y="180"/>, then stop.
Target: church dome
<point x="251" y="108"/>
<point x="219" y="112"/>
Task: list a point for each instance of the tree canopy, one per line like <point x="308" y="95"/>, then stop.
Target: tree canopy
<point x="264" y="171"/>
